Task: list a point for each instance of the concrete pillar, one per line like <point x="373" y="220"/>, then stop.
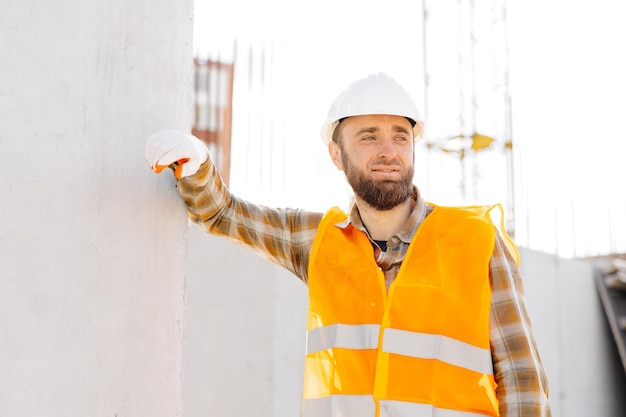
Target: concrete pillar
<point x="92" y="244"/>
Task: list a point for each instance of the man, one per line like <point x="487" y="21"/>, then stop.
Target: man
<point x="414" y="309"/>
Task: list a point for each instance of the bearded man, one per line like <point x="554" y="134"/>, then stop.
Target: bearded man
<point x="415" y="309"/>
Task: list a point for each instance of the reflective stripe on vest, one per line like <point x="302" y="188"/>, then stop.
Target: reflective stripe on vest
<point x="363" y="405"/>
<point x="390" y="408"/>
<point x="363" y="336"/>
<point x="401" y="342"/>
<point x="420" y="349"/>
<point x="443" y="348"/>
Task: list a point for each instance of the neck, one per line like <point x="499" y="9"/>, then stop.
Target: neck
<point x="381" y="225"/>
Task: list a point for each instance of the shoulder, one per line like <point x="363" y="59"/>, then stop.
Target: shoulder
<point x="465" y="214"/>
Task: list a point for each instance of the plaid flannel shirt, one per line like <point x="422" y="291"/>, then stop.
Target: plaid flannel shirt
<point x="285" y="237"/>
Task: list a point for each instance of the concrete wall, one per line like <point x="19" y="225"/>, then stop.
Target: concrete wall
<point x="92" y="244"/>
<point x="246" y="323"/>
<point x="247" y="319"/>
<point x="578" y="350"/>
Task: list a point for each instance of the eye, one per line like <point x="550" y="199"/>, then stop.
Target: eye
<point x="368" y="138"/>
<point x="401" y="138"/>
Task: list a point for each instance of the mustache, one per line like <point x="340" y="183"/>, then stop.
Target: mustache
<point x="387" y="162"/>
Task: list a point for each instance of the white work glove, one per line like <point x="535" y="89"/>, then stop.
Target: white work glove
<point x="173" y="147"/>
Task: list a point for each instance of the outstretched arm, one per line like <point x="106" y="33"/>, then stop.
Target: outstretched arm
<point x="283" y="236"/>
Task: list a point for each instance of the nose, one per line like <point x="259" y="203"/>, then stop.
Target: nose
<point x="387" y="149"/>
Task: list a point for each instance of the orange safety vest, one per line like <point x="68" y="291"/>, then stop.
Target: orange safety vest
<point x="421" y="349"/>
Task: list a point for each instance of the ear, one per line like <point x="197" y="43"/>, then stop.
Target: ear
<point x="335" y="154"/>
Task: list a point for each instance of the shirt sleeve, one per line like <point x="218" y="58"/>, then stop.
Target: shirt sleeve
<point x="522" y="383"/>
<point x="283" y="236"/>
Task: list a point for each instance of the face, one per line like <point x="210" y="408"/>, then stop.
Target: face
<point x="376" y="154"/>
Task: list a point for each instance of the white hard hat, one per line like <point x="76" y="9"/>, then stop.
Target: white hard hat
<point x="375" y="94"/>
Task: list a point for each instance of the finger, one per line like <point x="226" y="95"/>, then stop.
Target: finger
<point x="179" y="152"/>
<point x="160" y="143"/>
<point x="153" y="144"/>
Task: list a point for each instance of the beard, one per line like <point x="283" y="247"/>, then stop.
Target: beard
<point x="381" y="195"/>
